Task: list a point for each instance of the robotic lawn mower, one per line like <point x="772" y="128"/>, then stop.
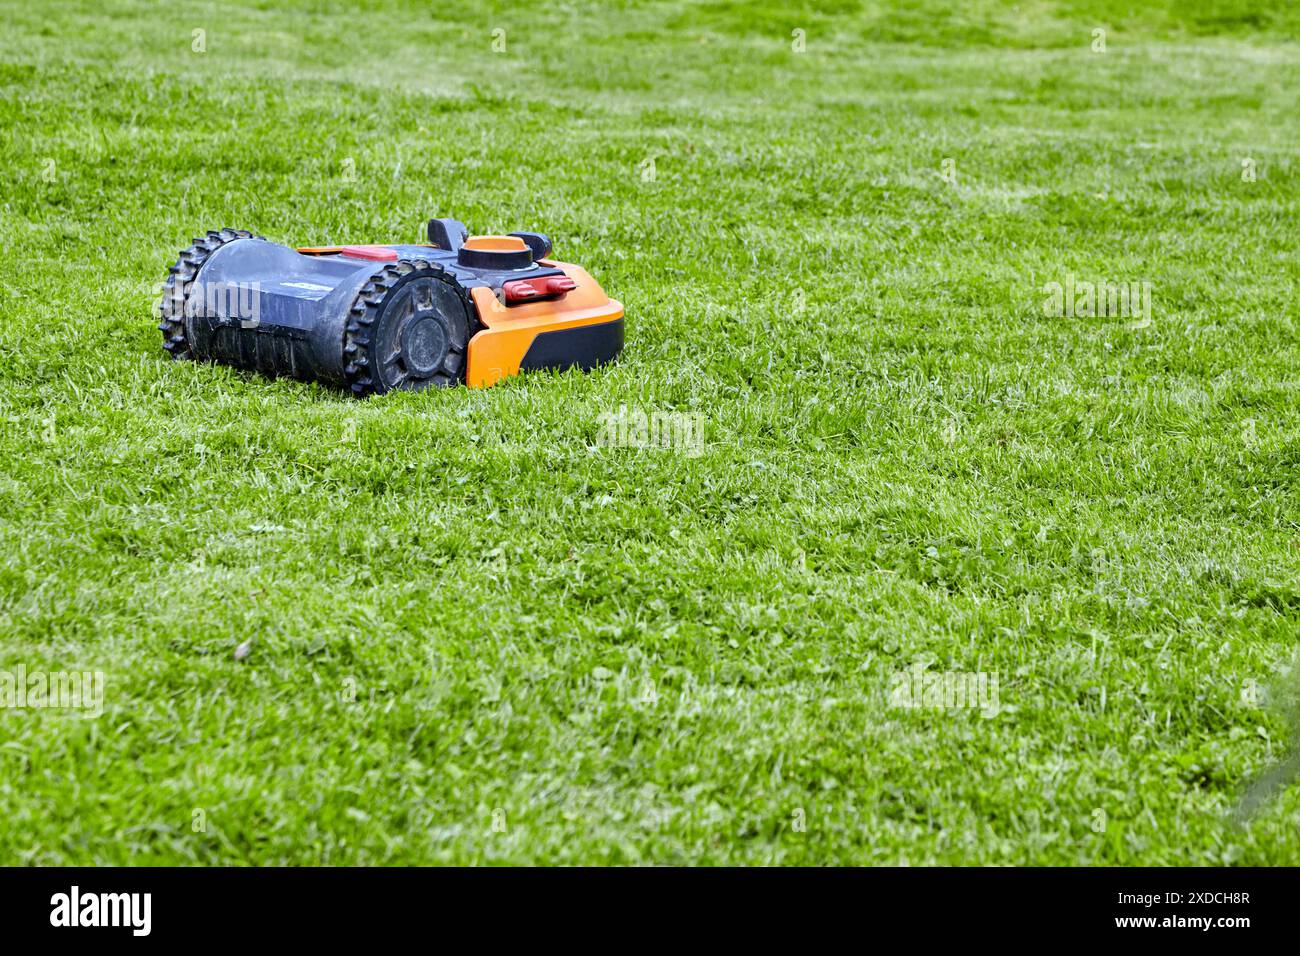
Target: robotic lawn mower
<point x="373" y="319"/>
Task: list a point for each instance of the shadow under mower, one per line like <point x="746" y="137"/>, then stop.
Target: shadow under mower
<point x="372" y="319"/>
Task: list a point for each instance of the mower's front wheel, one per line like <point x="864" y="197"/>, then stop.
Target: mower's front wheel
<point x="409" y="328"/>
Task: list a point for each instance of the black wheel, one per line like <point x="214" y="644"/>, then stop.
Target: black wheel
<point x="409" y="329"/>
<point x="176" y="290"/>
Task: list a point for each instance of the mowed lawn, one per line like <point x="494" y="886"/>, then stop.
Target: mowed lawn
<point x="480" y="633"/>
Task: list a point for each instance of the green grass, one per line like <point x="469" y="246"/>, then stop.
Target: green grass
<point x="905" y="459"/>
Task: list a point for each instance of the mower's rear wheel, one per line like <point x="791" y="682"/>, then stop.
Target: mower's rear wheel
<point x="180" y="281"/>
<point x="409" y="328"/>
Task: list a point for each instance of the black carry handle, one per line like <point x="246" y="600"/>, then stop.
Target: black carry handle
<point x="447" y="234"/>
<point x="450" y="234"/>
<point x="538" y="243"/>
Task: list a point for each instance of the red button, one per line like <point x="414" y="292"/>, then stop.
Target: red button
<point x="376" y="253"/>
<point x="521" y="290"/>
